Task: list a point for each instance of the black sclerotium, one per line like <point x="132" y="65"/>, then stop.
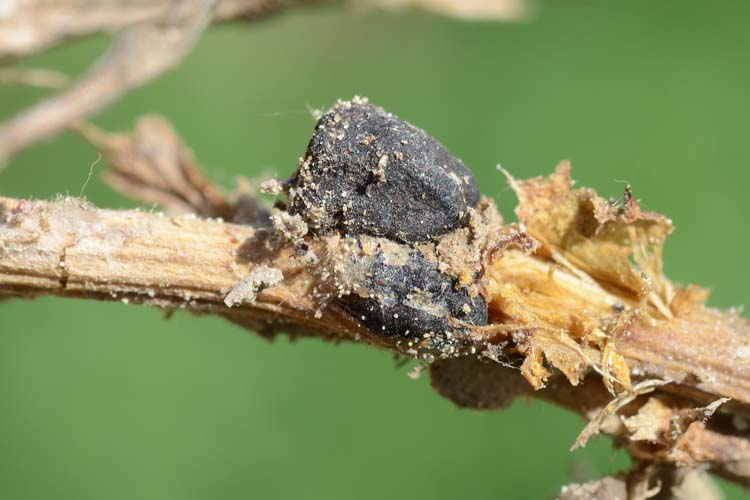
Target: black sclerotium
<point x="412" y="299"/>
<point x="366" y="171"/>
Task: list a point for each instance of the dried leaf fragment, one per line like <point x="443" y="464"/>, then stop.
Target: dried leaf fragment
<point x="651" y="421"/>
<point x="592" y="428"/>
<point x="597" y="236"/>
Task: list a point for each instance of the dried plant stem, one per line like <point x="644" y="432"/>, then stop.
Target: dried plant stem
<point x="704" y="350"/>
<point x="71" y="249"/>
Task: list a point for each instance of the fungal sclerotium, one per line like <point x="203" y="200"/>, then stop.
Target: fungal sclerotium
<point x="393" y="190"/>
<point x="409" y="298"/>
<point x="366" y="171"/>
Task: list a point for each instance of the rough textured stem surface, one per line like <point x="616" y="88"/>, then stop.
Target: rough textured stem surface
<point x="69" y="248"/>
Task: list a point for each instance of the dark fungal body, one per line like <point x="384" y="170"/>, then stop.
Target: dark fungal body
<point x="410" y="298"/>
<point x="392" y="190"/>
<point x="367" y="172"/>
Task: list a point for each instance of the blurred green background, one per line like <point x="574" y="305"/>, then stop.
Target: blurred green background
<point x="110" y="401"/>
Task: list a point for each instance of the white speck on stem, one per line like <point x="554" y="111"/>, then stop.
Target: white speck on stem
<point x="246" y="291"/>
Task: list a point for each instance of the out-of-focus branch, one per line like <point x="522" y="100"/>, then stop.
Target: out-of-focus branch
<point x="155" y="36"/>
<point x="137" y="55"/>
<point x="32" y="77"/>
<point x="477" y="10"/>
<point x="153" y="165"/>
<point x="31" y="26"/>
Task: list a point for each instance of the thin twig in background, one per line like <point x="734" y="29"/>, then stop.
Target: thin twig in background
<point x="154" y="38"/>
<point x="31" y="26"/>
<point x="137" y="55"/>
<point x="32" y="77"/>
